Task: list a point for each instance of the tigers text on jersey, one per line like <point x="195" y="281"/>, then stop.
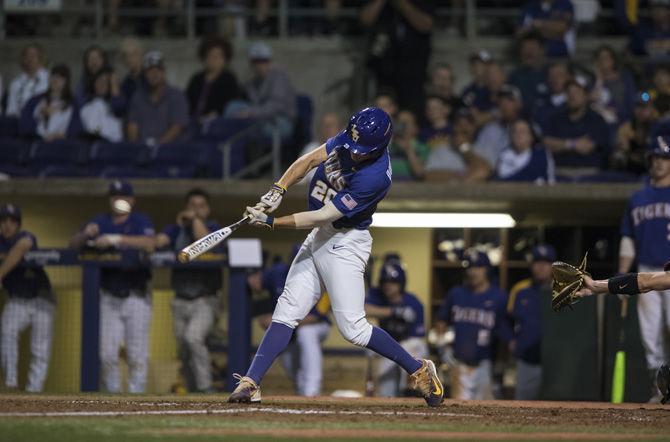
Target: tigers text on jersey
<point x="354" y="188"/>
<point x="647" y="221"/>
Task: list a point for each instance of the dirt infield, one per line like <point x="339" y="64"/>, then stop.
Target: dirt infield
<point x="291" y="418"/>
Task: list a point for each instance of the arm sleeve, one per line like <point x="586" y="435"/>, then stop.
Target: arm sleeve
<point x="327" y="214"/>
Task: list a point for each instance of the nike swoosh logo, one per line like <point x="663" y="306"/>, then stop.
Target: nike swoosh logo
<point x="621" y="287"/>
<point x="337" y="246"/>
<point x="438" y="390"/>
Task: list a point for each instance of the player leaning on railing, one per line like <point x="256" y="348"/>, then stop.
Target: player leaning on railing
<point x="353" y="174"/>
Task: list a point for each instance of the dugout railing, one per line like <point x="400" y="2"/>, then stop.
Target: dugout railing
<point x="91" y="262"/>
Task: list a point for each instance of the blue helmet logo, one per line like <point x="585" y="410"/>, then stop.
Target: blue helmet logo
<point x="393" y="272"/>
<point x="661" y="147"/>
<point x="369" y="130"/>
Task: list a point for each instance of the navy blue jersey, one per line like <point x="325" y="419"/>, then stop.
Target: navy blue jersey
<point x="23" y="281"/>
<point x="477" y="96"/>
<point x="591" y="125"/>
<point x="354" y="188"/>
<point x="534" y="165"/>
<point x="193" y="283"/>
<point x="120" y="282"/>
<point x="436" y="137"/>
<point x="477" y="320"/>
<point x="525" y="310"/>
<point x="414" y="329"/>
<point x="554" y="10"/>
<point x="647" y="221"/>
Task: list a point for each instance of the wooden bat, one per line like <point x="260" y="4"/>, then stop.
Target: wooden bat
<point x="619" y="374"/>
<point x="206" y="243"/>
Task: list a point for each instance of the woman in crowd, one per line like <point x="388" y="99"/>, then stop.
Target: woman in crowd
<point x="614" y="90"/>
<point x="101" y="115"/>
<point x="525" y="160"/>
<point x="210" y="90"/>
<point x="438" y="129"/>
<point x="54" y="114"/>
<point x="95" y="60"/>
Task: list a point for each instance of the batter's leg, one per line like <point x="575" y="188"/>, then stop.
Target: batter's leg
<point x="649" y="311"/>
<point x="137" y="320"/>
<point x="41" y="334"/>
<point x="301" y="292"/>
<point x="310" y="369"/>
<point x="199" y="326"/>
<point x="15" y="318"/>
<point x="418" y="348"/>
<point x="111" y="335"/>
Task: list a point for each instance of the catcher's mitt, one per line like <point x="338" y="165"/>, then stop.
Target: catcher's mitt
<point x="663" y="382"/>
<point x="568" y="279"/>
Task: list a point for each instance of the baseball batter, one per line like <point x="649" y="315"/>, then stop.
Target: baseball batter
<point x="31" y="303"/>
<point x="353" y="174"/>
<point x="645" y="231"/>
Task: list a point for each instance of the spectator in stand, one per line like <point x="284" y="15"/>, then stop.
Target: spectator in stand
<point x="197" y="291"/>
<point x="553" y="96"/>
<point x="442" y="85"/>
<point x="32" y="81"/>
<point x="158" y="114"/>
<point x="400" y="314"/>
<point x="648" y="36"/>
<point x="125" y="295"/>
<point x="270" y="94"/>
<point x="399" y="47"/>
<point x="387" y="101"/>
<point x="494" y="137"/>
<point x="577" y="135"/>
<point x="661" y="88"/>
<point x="95" y="60"/>
<point x="614" y="90"/>
<point x="408" y="154"/>
<point x="476" y="312"/>
<point x="31" y="303"/>
<point x="529" y="76"/>
<point x="438" y="130"/>
<point x="210" y="90"/>
<point x="528" y="300"/>
<point x="132" y="53"/>
<point x="485" y="110"/>
<point x="54" y="114"/>
<point x="457" y="161"/>
<point x="633" y="137"/>
<point x="476" y="92"/>
<point x="101" y="116"/>
<point x="554" y="20"/>
<point x="525" y="160"/>
<point x="329" y="126"/>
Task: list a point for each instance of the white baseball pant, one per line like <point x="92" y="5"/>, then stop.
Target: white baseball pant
<point x="472" y="382"/>
<point x="391" y="379"/>
<point x="192" y="321"/>
<point x="124" y="320"/>
<point x="19" y="314"/>
<point x="334" y="260"/>
<point x="653" y="311"/>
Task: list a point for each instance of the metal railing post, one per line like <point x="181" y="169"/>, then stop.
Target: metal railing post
<point x="470" y="19"/>
<point x="283" y="18"/>
<point x="227" y="147"/>
<point x="190" y="19"/>
<point x="276" y="151"/>
<point x="99" y="18"/>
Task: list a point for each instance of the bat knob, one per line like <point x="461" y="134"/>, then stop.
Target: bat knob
<point x="183" y="257"/>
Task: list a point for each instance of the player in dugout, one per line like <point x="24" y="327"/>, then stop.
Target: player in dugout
<point x="31" y="303"/>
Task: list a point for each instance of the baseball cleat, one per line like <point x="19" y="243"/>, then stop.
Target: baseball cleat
<point x="425" y="380"/>
<point x="246" y="392"/>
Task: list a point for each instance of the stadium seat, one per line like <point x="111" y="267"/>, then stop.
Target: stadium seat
<point x="180" y="160"/>
<point x="113" y="158"/>
<point x="13" y="157"/>
<point x="221" y="129"/>
<point x="305" y="119"/>
<point x="65" y="156"/>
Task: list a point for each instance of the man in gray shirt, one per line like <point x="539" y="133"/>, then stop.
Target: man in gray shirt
<point x="158" y="114"/>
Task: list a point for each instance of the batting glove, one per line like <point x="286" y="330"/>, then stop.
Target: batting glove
<point x="272" y="199"/>
<point x="260" y="218"/>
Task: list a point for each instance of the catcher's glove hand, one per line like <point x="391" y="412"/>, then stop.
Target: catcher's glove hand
<point x="568" y="279"/>
<point x="663" y="382"/>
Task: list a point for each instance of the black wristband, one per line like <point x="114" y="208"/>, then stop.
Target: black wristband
<point x="623" y="284"/>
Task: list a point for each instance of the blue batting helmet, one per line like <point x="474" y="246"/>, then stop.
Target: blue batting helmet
<point x="369" y="130"/>
<point x="475" y="258"/>
<point x="393" y="272"/>
<point x="660" y="147"/>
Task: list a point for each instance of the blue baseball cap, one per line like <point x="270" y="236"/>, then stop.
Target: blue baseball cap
<point x="475" y="258"/>
<point x="10" y="211"/>
<point x="544" y="252"/>
<point x="120" y="188"/>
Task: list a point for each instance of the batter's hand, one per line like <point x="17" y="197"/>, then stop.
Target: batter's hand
<point x="272" y="199"/>
<point x="260" y="218"/>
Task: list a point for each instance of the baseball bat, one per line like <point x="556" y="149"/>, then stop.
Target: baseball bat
<point x="192" y="251"/>
<point x="619" y="374"/>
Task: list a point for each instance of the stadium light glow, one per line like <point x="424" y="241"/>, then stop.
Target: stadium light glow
<point x="442" y="220"/>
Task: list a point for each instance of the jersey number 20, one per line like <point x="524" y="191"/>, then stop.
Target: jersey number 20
<point x="322" y="192"/>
